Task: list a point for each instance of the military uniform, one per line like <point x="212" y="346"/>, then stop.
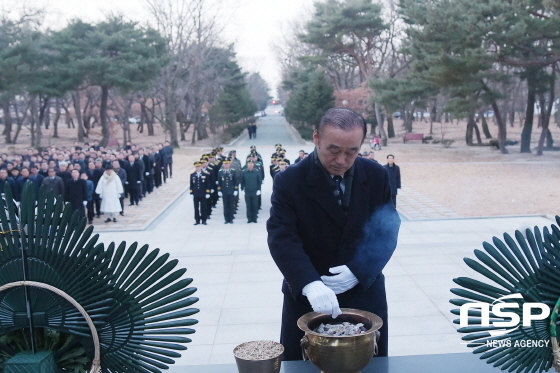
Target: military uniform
<point x="251" y="183"/>
<point x="200" y="190"/>
<point x="228" y="186"/>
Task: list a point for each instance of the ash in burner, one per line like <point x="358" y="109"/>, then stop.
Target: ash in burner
<point x="343" y="329"/>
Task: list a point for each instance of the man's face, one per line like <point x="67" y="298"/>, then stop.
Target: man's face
<point x="226" y="165"/>
<point x="3" y="174"/>
<point x="198" y="168"/>
<point x="52" y="173"/>
<point x="25" y="172"/>
<point x="390" y="160"/>
<point x="337" y="148"/>
<point x="63" y="167"/>
<point x="250" y="166"/>
<point x="131" y="158"/>
<point x="91" y="165"/>
<point x="116" y="165"/>
<point x="301" y="154"/>
<point x="371" y="156"/>
<point x="75" y="174"/>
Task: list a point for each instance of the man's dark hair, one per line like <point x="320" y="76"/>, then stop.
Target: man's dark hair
<point x="343" y="118"/>
<point x="390" y="155"/>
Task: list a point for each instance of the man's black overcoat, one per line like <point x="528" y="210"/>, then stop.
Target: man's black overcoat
<point x="308" y="232"/>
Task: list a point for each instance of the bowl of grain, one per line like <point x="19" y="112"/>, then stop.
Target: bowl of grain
<point x="258" y="357"/>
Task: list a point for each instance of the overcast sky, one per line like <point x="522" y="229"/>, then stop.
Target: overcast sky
<point x="252" y="24"/>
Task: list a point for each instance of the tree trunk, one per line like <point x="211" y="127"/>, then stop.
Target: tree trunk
<point x="56" y="118"/>
<point x="502" y="129"/>
<point x="105" y="125"/>
<point x="545" y="115"/>
<point x="549" y="139"/>
<point x="512" y="114"/>
<point x="7" y="120"/>
<point x="390" y="125"/>
<point x="380" y="125"/>
<point x="530" y="111"/>
<point x="43" y="114"/>
<point x="469" y="132"/>
<point x="485" y="128"/>
<point x="78" y="112"/>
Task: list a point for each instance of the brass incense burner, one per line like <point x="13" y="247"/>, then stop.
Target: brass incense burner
<point x="340" y="354"/>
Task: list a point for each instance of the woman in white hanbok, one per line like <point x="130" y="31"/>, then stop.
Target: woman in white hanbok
<point x="110" y="189"/>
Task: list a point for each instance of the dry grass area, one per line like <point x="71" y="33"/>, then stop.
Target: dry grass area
<point x="479" y="180"/>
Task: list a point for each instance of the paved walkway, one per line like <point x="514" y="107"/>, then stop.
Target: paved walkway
<point x="416" y="206"/>
<point x="239" y="284"/>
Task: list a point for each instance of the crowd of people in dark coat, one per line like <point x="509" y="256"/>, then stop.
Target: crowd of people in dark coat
<point x="74" y="173"/>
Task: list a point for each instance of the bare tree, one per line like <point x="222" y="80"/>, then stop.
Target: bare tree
<point x="191" y="28"/>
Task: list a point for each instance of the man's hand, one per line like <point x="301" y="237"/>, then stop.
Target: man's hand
<point x="85" y="203"/>
<point x="322" y="299"/>
<point x="220" y="194"/>
<point x="343" y="279"/>
<point x="258" y="192"/>
<point x="207" y="196"/>
<point x="235" y="193"/>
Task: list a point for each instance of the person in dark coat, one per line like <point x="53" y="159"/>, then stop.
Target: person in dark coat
<point x="95" y="172"/>
<point x="394" y="177"/>
<point x="167" y="152"/>
<point x="122" y="175"/>
<point x="158" y="165"/>
<point x="200" y="190"/>
<point x="5" y="179"/>
<point x="148" y="185"/>
<point x="75" y="192"/>
<point x="53" y="183"/>
<point x="90" y="190"/>
<point x="332" y="229"/>
<point x="133" y="180"/>
<point x="251" y="182"/>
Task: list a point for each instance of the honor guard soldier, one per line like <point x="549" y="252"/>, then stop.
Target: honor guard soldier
<point x="254" y="150"/>
<point x="228" y="190"/>
<point x="277" y="152"/>
<point x="214" y="168"/>
<point x="282" y="165"/>
<point x="282" y="154"/>
<point x="211" y="182"/>
<point x="200" y="190"/>
<point x="274" y="167"/>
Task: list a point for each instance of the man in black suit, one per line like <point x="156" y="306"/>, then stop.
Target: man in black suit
<point x="332" y="229"/>
<point x="133" y="180"/>
<point x="75" y="192"/>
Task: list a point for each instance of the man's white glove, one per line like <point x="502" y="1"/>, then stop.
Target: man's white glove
<point x="322" y="299"/>
<point x="138" y="182"/>
<point x="85" y="203"/>
<point x="342" y="280"/>
<point x="216" y="182"/>
<point x="147" y="174"/>
<point x="258" y="192"/>
<point x="220" y="194"/>
<point x="235" y="193"/>
<point x="211" y="190"/>
<point x="207" y="196"/>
